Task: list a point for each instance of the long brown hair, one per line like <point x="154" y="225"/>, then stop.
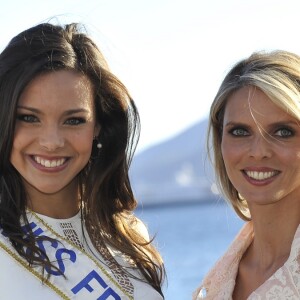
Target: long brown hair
<point x="106" y="194"/>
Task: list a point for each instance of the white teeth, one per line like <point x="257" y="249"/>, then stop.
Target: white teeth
<point x="53" y="164"/>
<point x="49" y="163"/>
<point x="261" y="175"/>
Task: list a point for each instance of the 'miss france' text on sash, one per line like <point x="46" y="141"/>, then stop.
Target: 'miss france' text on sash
<point x="77" y="275"/>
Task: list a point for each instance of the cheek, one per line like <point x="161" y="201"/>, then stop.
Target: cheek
<point x="232" y="156"/>
<point x="233" y="150"/>
<point x="17" y="143"/>
<point x="21" y="139"/>
<point x="83" y="141"/>
<point x="226" y="159"/>
<point x="227" y="151"/>
<point x="287" y="155"/>
<point x="16" y="151"/>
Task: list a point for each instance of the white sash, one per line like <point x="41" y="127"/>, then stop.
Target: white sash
<point x="82" y="276"/>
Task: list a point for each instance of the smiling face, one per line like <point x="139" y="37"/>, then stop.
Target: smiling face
<point x="261" y="148"/>
<point x="54" y="132"/>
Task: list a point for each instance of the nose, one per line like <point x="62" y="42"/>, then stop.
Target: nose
<point x="51" y="138"/>
<point x="260" y="147"/>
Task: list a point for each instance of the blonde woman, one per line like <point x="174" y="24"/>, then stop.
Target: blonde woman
<point x="255" y="137"/>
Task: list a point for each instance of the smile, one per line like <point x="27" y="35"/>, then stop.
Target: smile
<point x="49" y="163"/>
<point x="261" y="175"/>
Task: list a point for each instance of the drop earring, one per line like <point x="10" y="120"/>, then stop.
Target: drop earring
<point x="96" y="148"/>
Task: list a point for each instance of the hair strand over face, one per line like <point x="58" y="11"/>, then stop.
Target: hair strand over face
<point x="105" y="191"/>
<point x="277" y="75"/>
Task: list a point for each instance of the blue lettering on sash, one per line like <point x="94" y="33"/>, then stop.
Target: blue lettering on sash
<point x="37" y="231"/>
<point x="61" y="266"/>
<point x="84" y="283"/>
<point x="109" y="292"/>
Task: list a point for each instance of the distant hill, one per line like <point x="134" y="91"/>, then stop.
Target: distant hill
<point x="176" y="170"/>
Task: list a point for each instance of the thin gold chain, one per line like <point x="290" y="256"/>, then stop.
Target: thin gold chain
<point x="35" y="273"/>
<point x="83" y="252"/>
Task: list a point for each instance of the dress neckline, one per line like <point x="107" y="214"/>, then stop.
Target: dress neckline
<point x="48" y="219"/>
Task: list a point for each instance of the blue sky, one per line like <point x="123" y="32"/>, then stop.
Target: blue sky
<point x="171" y="54"/>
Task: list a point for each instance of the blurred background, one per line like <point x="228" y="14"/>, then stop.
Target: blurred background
<point x="172" y="55"/>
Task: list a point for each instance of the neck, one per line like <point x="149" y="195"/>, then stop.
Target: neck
<point x="61" y="205"/>
<point x="274" y="229"/>
<point x="57" y="210"/>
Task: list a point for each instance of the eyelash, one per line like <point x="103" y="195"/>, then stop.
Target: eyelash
<point x="74" y="121"/>
<point x="27" y="118"/>
<point x="288" y="132"/>
<point x="233" y="132"/>
<point x="77" y="120"/>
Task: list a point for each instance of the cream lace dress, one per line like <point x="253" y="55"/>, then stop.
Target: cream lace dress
<point x="220" y="281"/>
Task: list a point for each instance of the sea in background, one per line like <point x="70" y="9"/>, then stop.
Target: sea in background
<point x="190" y="238"/>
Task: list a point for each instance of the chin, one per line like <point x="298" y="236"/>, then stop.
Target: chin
<point x="48" y="189"/>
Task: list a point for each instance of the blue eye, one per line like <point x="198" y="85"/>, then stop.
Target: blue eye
<point x="27" y="118"/>
<point x="75" y="121"/>
<point x="239" y="132"/>
<point x="284" y="132"/>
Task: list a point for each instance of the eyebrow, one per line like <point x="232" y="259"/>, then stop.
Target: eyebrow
<point x="232" y="124"/>
<point x="67" y="112"/>
<point x="275" y="124"/>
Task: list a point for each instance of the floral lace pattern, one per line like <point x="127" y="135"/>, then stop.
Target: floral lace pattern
<point x="283" y="284"/>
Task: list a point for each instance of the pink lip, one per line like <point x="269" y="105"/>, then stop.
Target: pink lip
<point x="259" y="169"/>
<point x="49" y="170"/>
<point x="263" y="182"/>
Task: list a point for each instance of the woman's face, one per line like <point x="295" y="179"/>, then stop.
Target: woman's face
<point x="54" y="131"/>
<point x="261" y="148"/>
